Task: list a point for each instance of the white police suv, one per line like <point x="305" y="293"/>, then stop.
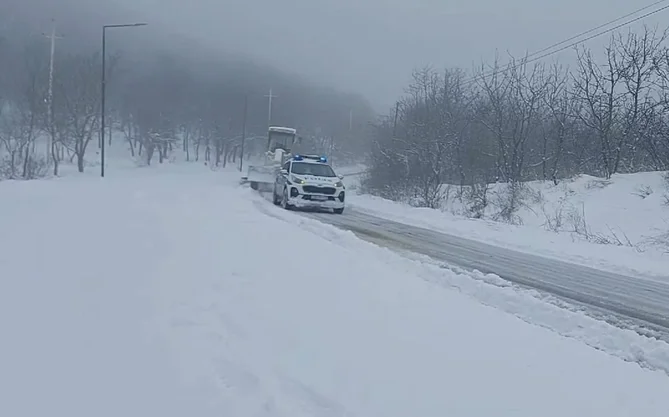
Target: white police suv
<point x="308" y="181"/>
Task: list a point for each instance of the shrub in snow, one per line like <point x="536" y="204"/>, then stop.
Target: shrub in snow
<point x="509" y="199"/>
<point x="555" y="220"/>
<point x="643" y="191"/>
<point x="659" y="240"/>
<point x="476" y="198"/>
<point x="598" y="183"/>
<point x="26" y="168"/>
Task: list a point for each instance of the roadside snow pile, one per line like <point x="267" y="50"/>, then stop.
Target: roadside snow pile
<point x="79" y="270"/>
<point x="182" y="294"/>
<point x="617" y="225"/>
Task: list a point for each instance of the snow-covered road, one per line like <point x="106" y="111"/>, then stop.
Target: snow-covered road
<point x="626" y="300"/>
<point x="172" y="291"/>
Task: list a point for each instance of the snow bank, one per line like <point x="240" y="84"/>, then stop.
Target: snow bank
<point x="629" y="208"/>
<point x="179" y="294"/>
<point x="77" y="284"/>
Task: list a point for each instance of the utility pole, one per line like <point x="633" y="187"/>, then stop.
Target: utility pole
<point x="397" y="110"/>
<point x="50" y="139"/>
<point x="350" y="120"/>
<point x="269" y="112"/>
<point x="241" y="153"/>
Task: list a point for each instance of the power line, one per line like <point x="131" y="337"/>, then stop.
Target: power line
<point x="597" y="28"/>
<point x="571" y="45"/>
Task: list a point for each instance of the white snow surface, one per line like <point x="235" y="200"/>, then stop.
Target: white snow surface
<point x="171" y="291"/>
<point x="630" y="208"/>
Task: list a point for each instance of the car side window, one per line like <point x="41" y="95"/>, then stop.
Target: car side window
<point x="286" y="166"/>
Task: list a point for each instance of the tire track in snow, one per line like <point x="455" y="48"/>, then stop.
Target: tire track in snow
<point x="645" y="303"/>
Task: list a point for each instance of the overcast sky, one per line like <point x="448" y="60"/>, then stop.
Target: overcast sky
<point x="371" y="46"/>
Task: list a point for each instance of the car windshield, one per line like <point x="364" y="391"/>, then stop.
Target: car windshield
<point x="317" y="170"/>
<point x="281" y="139"/>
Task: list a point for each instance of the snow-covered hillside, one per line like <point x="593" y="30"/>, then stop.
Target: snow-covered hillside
<point x="621" y="224"/>
<point x="171" y="291"/>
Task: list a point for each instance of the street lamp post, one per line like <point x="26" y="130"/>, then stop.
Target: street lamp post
<point x="103" y="86"/>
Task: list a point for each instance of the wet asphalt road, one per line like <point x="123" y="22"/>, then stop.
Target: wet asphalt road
<point x="620" y="299"/>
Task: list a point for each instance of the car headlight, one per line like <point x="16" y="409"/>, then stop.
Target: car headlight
<point x="339" y="184"/>
<point x="298" y="180"/>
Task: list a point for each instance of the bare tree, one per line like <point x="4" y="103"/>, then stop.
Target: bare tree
<point x="602" y="103"/>
<point x="513" y="100"/>
<point x="657" y="140"/>
<point x="559" y="123"/>
<point x="129" y="129"/>
<point x="518" y="122"/>
<point x="637" y="65"/>
<point x="21" y="116"/>
<point x="78" y="85"/>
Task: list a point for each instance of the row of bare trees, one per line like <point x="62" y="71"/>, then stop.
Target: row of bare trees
<point x="528" y="121"/>
<point x="158" y="101"/>
<point x="36" y="131"/>
<point x="204" y="115"/>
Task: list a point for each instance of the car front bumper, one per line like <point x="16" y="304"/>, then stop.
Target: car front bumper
<point x="298" y="197"/>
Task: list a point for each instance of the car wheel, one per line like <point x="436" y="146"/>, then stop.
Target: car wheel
<point x="275" y="199"/>
<point x="338" y="210"/>
<point x="284" y="200"/>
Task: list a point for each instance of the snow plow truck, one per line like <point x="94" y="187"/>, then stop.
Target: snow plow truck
<point x="280" y="141"/>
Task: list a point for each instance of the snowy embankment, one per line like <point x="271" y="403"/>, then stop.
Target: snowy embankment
<point x="621" y="225"/>
<point x="174" y="292"/>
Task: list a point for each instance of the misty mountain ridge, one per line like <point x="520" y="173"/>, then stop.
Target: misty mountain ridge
<point x="79" y="24"/>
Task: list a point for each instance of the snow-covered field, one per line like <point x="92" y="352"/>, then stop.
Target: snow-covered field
<point x="170" y="291"/>
<point x="623" y="224"/>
